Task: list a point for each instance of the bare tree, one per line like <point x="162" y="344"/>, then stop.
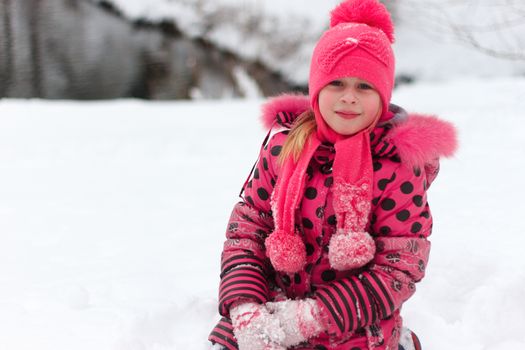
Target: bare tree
<point x="494" y="27"/>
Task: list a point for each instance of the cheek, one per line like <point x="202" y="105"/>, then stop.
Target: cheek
<point x="325" y="102"/>
<point x="374" y="106"/>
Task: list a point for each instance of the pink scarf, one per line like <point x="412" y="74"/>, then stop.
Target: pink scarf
<point x="350" y="247"/>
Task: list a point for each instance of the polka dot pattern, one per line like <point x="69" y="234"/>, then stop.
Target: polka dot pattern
<point x="407" y="187"/>
<point x="403" y="215"/>
<point x="328" y="275"/>
<point x="418" y="200"/>
<point x="395" y="212"/>
<point x="311" y="193"/>
<point x="276" y="150"/>
<point x="416" y="227"/>
<point x="308" y="224"/>
<point x="309" y="268"/>
<point x="310" y="172"/>
<point x="395" y="159"/>
<point x="393" y="177"/>
<point x="388" y="204"/>
<point x="381" y="184"/>
<point x="385" y="230"/>
<point x="263" y="194"/>
<point x="309" y="249"/>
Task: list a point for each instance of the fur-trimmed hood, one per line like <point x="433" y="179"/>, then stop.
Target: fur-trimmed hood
<point x="418" y="138"/>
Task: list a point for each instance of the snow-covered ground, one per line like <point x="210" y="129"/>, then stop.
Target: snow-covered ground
<point x="112" y="218"/>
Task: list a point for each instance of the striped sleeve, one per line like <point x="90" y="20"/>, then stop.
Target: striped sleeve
<point x="349" y="303"/>
<point x="244" y="265"/>
<point x="243" y="278"/>
<point x="223" y="334"/>
<point x="400" y="260"/>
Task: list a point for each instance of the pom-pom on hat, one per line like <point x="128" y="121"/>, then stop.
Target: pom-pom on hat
<point x="358" y="44"/>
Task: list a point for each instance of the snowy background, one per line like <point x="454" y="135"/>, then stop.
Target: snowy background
<point x="112" y="214"/>
<point x="181" y="49"/>
<point x="430" y="34"/>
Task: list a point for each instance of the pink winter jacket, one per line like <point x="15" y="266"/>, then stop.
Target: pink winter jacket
<point x="363" y="305"/>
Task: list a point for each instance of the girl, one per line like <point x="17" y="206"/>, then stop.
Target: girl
<point x="331" y="235"/>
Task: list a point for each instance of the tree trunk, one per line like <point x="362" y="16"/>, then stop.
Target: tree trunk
<point x="34" y="22"/>
<point x="7" y="72"/>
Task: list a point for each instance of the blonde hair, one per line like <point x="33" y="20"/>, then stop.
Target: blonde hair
<point x="299" y="134"/>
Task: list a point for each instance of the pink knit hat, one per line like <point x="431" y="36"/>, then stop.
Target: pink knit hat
<point x="358" y="44"/>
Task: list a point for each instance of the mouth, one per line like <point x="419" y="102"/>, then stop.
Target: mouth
<point x="347" y="115"/>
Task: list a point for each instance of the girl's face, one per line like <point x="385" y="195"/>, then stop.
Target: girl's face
<point x="349" y="105"/>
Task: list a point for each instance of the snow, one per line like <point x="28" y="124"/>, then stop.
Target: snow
<point x="154" y="9"/>
<point x="112" y="218"/>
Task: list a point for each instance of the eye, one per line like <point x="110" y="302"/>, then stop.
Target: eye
<point x="364" y="86"/>
<point x="336" y="83"/>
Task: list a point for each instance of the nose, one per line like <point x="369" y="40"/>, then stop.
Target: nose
<point x="349" y="96"/>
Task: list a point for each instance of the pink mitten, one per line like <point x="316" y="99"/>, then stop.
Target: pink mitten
<point x="299" y="319"/>
<point x="255" y="328"/>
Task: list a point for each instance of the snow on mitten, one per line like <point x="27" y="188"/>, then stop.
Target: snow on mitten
<point x="255" y="328"/>
<point x="350" y="250"/>
<point x="300" y="319"/>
